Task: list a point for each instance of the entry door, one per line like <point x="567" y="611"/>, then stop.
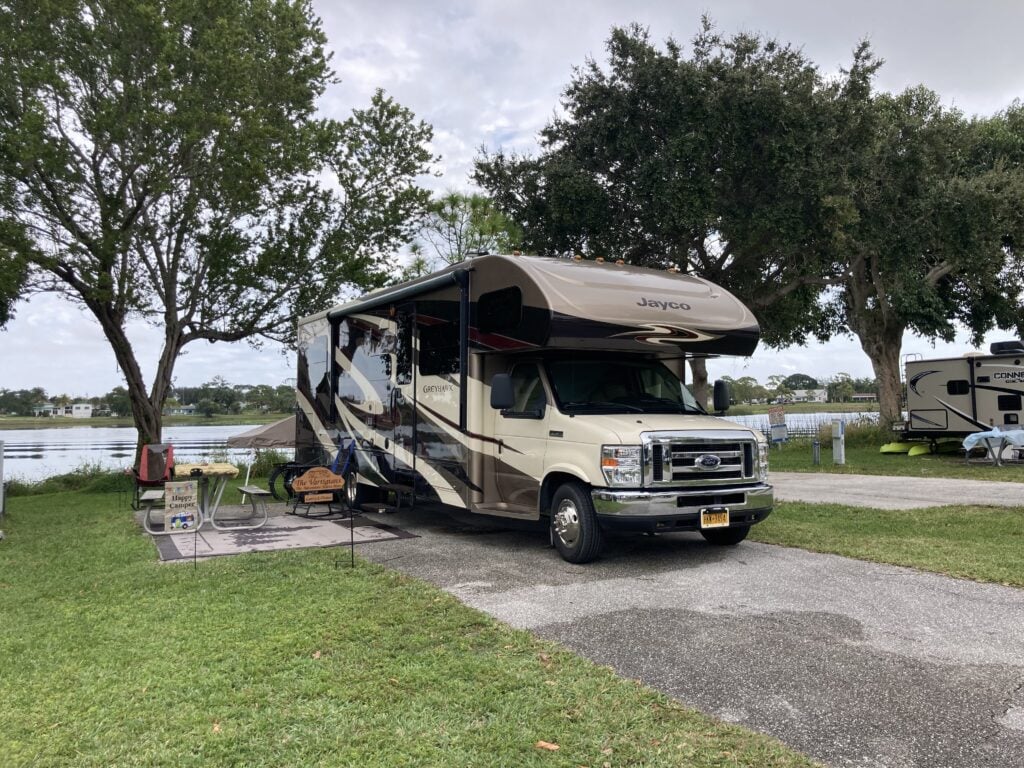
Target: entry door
<point x="522" y="431"/>
<point x="401" y="402"/>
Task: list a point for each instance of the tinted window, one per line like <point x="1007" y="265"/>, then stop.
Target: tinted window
<point x="439" y="349"/>
<point x="958" y="387"/>
<point x="1009" y="402"/>
<point x="500" y="311"/>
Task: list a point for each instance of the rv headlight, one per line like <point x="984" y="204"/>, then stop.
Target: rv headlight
<point x="762" y="461"/>
<point x="622" y="464"/>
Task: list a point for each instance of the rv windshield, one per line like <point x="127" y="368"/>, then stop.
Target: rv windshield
<point x="616" y="385"/>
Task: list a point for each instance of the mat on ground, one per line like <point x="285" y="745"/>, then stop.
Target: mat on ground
<point x="283" y="532"/>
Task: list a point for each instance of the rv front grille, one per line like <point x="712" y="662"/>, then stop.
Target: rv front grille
<point x="702" y="458"/>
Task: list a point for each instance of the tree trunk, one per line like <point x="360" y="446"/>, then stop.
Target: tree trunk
<point x="147" y="408"/>
<point x="699" y="367"/>
<point x="883" y="349"/>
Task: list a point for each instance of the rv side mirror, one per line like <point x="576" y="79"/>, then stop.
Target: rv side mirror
<point x="721" y="396"/>
<point x="502" y="396"/>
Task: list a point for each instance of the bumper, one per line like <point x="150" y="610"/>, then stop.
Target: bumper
<point x="679" y="510"/>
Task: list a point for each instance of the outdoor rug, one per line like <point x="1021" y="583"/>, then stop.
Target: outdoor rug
<point x="280" y="532"/>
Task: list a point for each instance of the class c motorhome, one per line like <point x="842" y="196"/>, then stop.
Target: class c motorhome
<point x="956" y="396"/>
<point x="533" y="388"/>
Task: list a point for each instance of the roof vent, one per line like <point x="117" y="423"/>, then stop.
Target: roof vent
<point x="1013" y="347"/>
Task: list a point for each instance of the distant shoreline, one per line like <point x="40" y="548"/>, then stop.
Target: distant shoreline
<point x="65" y="422"/>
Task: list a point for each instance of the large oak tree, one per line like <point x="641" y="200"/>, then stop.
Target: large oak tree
<point x="165" y="160"/>
<point x="719" y="161"/>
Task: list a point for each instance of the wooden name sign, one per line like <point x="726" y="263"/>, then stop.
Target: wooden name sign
<point x="317" y="484"/>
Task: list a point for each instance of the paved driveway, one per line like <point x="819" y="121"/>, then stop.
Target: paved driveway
<point x="895" y="492"/>
<point x="852" y="663"/>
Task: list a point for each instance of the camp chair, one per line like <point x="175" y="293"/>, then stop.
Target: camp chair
<point x="156" y="467"/>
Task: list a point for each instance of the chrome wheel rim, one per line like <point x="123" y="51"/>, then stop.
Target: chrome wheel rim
<point x="567" y="523"/>
<point x="350" y="490"/>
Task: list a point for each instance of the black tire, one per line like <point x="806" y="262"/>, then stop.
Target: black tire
<point x="575" y="530"/>
<point x="726" y="537"/>
<point x="355" y="494"/>
<point x="276" y="483"/>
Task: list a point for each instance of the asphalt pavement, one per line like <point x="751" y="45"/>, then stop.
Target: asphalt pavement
<point x="852" y="663"/>
<point x="893" y="492"/>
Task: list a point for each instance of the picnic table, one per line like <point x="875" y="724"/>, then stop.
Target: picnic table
<point x="995" y="441"/>
<point x="192" y="499"/>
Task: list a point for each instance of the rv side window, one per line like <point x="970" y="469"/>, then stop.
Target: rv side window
<point x="1009" y="402"/>
<point x="958" y="387"/>
<point x="439" y="349"/>
<point x="528" y="392"/>
<point x="403" y="348"/>
<point x="500" y="311"/>
<point x="317" y="368"/>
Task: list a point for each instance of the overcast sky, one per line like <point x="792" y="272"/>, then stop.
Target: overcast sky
<point x="490" y="73"/>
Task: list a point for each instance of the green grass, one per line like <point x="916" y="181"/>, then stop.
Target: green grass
<point x="109" y="659"/>
<point x="980" y="543"/>
<point x="795" y="456"/>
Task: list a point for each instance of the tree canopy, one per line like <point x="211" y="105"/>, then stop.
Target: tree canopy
<point x="166" y="162"/>
<point x="825" y="206"/>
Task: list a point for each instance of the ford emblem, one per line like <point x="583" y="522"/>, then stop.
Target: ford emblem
<point x="708" y="461"/>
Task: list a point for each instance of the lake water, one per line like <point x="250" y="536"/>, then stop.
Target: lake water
<point x="32" y="454"/>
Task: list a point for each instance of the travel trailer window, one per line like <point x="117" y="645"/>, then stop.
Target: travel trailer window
<point x="1009" y="402"/>
<point x="500" y="311"/>
<point x="958" y="387"/>
<point x="615" y="385"/>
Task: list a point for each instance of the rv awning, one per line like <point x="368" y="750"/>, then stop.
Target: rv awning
<point x="280" y="434"/>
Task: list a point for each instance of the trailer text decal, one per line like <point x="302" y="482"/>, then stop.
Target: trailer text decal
<point x="1009" y="376"/>
<point x="645" y="302"/>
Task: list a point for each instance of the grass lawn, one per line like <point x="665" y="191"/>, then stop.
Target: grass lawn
<point x="980" y="543"/>
<point x="108" y="658"/>
<point x="795" y="456"/>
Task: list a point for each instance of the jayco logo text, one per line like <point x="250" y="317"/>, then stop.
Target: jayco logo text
<point x="645" y="302"/>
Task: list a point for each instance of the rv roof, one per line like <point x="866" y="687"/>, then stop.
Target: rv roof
<point x="669" y="308"/>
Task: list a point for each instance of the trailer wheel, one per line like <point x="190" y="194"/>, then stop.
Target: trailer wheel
<point x="726" y="537"/>
<point x="355" y="493"/>
<point x="574" y="528"/>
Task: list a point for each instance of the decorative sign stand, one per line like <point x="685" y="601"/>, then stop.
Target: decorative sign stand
<point x="181" y="506"/>
<point x="777" y="421"/>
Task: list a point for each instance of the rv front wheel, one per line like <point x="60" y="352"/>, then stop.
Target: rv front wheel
<point x="574" y="527"/>
<point x="356" y="494"/>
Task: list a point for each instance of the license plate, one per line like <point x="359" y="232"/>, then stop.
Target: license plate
<point x="714" y="518"/>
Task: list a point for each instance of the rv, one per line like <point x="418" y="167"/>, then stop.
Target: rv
<point x="956" y="396"/>
<point x="537" y="388"/>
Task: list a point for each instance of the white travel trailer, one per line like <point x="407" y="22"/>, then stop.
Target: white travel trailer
<point x="956" y="396"/>
<point x="533" y="388"/>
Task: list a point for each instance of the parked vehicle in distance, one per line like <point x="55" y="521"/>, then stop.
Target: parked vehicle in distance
<point x="957" y="396"/>
<point x="531" y="388"/>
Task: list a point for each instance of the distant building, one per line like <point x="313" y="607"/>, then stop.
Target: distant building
<point x="180" y="410"/>
<point x="80" y="411"/>
<point x="47" y="409"/>
<point x="810" y="396"/>
<point x="864" y="397"/>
